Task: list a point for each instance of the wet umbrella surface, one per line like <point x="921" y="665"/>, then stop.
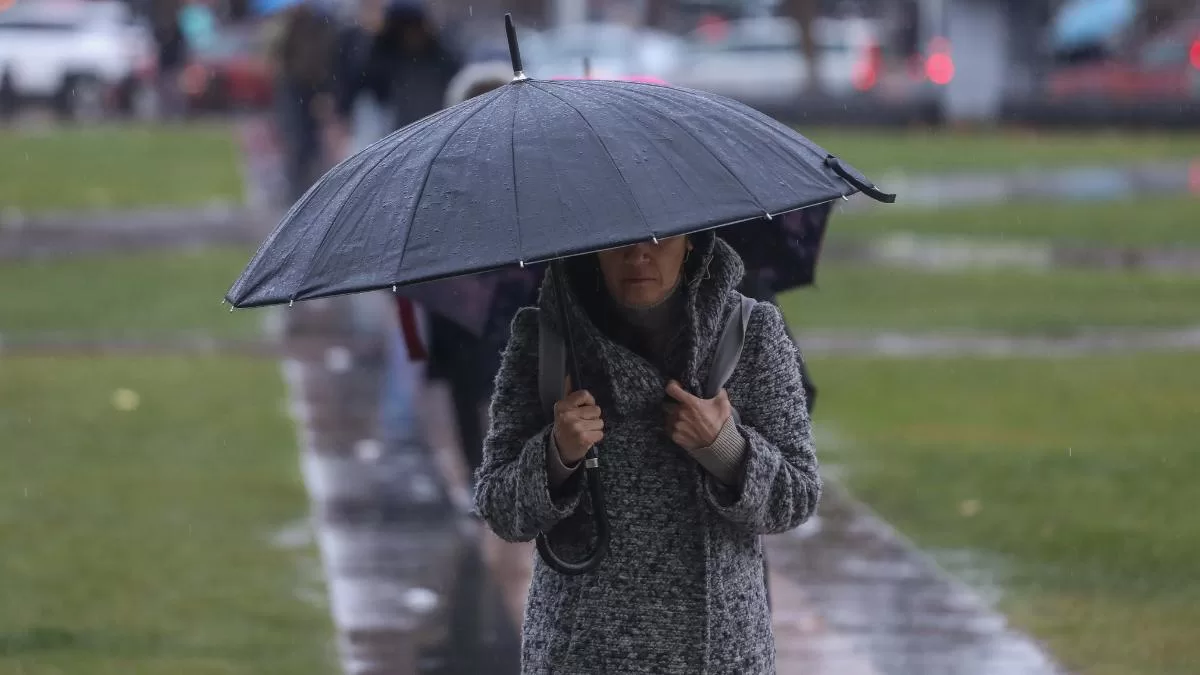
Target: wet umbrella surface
<point x="532" y="171"/>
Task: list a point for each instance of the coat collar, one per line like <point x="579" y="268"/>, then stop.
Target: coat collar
<point x="712" y="274"/>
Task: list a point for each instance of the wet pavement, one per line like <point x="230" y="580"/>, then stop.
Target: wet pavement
<point x="407" y="586"/>
<point x="417" y="587"/>
<point x="860" y="598"/>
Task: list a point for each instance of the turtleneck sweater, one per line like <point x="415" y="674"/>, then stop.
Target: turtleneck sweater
<point x="650" y="331"/>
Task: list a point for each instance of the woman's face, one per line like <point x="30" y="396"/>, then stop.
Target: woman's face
<point x="641" y="275"/>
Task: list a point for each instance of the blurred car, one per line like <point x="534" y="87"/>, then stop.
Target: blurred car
<point x="86" y="58"/>
<point x="761" y="60"/>
<point x="231" y="72"/>
<point x="611" y="49"/>
<point x="1162" y="68"/>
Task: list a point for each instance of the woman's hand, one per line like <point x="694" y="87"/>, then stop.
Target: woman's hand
<point x="578" y="425"/>
<point x="694" y="422"/>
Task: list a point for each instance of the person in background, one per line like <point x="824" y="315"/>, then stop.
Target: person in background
<point x="301" y="57"/>
<point x="172" y="48"/>
<point x="199" y="24"/>
<point x="467" y="362"/>
<point x="397" y="60"/>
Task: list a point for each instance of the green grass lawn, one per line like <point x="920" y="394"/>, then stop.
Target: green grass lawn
<point x="144" y="295"/>
<point x="139" y="541"/>
<point x="1159" y="221"/>
<point x="1082" y="474"/>
<point x="854" y="297"/>
<point x="118" y="167"/>
<point x="877" y="152"/>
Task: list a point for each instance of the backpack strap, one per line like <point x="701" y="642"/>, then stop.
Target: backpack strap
<point x="552" y="365"/>
<point x="729" y="348"/>
<point x="552" y="357"/>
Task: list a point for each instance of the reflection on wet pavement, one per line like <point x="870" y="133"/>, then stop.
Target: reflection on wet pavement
<point x="416" y="587"/>
<point x="873" y="603"/>
<point x="408" y="589"/>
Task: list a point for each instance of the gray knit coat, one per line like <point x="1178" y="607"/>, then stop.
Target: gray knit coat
<point x="682" y="588"/>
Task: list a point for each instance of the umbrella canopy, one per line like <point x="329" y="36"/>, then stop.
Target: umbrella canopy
<point x="532" y="171"/>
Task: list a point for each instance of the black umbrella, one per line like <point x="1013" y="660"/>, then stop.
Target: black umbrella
<point x="535" y="171"/>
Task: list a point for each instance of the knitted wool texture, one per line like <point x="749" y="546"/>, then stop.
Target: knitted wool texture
<point x="681" y="590"/>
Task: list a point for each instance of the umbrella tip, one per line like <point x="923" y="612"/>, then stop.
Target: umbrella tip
<point x="514" y="50"/>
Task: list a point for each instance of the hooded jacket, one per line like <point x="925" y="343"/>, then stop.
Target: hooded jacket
<point x="682" y="588"/>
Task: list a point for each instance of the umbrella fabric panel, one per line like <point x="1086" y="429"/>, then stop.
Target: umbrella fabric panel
<point x="531" y="171"/>
<point x="761" y="160"/>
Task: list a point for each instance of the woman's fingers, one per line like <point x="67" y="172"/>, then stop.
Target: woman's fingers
<point x="579" y="398"/>
<point x="584" y="426"/>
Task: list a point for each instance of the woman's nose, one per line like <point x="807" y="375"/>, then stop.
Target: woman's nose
<point x="639" y="252"/>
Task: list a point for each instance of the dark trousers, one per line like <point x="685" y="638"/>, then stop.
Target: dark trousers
<point x="457" y="356"/>
<point x="301" y="137"/>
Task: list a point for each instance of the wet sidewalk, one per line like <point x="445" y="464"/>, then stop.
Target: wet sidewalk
<point x="416" y="587"/>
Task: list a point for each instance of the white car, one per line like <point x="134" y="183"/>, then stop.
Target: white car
<point x="761" y="60"/>
<point x="80" y="56"/>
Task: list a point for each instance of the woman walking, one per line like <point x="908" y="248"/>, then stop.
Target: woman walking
<point x="690" y="483"/>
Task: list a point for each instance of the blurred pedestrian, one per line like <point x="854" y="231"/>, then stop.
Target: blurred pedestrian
<point x="466" y="361"/>
<point x="690" y="482"/>
<point x="302" y="57"/>
<point x="359" y="105"/>
<point x="397" y="60"/>
<point x="172" y="47"/>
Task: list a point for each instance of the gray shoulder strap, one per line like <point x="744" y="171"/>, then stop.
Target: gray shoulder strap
<point x="729" y="348"/>
<point x="552" y="366"/>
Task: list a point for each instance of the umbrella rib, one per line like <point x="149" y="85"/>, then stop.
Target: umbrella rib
<point x="358" y="183"/>
<point x="714" y="155"/>
<point x="516" y="199"/>
<point x="603" y="146"/>
<point x="412" y="219"/>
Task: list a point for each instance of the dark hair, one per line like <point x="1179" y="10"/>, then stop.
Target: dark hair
<point x="483" y="87"/>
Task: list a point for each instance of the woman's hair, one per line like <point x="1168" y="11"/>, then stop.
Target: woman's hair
<point x="483" y="87"/>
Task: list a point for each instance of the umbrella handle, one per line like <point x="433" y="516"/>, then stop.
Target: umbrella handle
<point x="591" y="462"/>
<point x="865" y="188"/>
<point x="600" y="517"/>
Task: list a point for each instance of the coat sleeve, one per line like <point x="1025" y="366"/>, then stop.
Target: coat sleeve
<point x="513" y="492"/>
<point x="779" y="486"/>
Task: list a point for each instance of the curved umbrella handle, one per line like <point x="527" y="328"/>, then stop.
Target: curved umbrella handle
<point x="592" y="562"/>
<point x="591" y="461"/>
<point x="868" y="190"/>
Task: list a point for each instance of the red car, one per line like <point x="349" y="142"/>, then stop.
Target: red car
<point x="230" y="74"/>
<point x="1163" y="68"/>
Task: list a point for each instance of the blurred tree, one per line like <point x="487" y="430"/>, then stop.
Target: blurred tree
<point x="805" y="13"/>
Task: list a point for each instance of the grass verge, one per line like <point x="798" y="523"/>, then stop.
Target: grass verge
<point x="878" y="152"/>
<point x="854" y="297"/>
<point x="97" y="168"/>
<point x="143" y="295"/>
<point x="139" y="541"/>
<point x="1075" y="477"/>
